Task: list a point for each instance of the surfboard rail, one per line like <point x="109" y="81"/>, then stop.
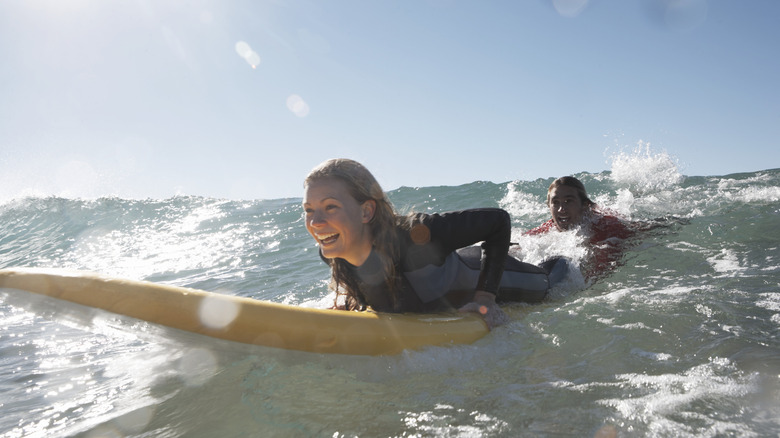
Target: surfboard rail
<point x="247" y="320"/>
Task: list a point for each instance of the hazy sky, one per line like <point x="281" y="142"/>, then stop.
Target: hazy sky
<point x="240" y="99"/>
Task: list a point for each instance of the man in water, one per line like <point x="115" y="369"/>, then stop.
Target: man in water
<point x="571" y="209"/>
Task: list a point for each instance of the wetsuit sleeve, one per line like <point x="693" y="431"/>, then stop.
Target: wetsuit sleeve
<point x="459" y="229"/>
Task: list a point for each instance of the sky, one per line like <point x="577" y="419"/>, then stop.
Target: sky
<point x="240" y="99"/>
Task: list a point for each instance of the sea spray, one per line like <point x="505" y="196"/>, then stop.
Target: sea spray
<point x="644" y="171"/>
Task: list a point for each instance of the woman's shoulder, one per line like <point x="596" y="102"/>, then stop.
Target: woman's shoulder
<point x="423" y="227"/>
<point x="419" y="217"/>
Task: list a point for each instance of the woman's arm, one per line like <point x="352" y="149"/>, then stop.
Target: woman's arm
<point x="454" y="230"/>
<point x="493" y="227"/>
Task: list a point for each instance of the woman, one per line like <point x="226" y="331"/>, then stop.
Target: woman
<point x="571" y="208"/>
<point x="415" y="263"/>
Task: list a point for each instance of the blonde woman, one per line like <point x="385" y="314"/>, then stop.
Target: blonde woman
<point x="414" y="263"/>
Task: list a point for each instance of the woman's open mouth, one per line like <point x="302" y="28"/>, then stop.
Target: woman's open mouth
<point x="327" y="239"/>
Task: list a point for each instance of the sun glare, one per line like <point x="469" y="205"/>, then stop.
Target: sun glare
<point x="297" y="105"/>
<point x="245" y="51"/>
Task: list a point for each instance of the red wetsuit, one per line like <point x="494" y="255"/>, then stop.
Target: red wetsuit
<point x="607" y="240"/>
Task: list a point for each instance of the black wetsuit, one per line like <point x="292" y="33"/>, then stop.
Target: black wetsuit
<point x="440" y="269"/>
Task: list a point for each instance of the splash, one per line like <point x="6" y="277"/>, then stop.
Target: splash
<point x="522" y="204"/>
<point x="644" y="171"/>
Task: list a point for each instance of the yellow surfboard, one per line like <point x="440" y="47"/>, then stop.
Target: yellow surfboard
<point x="247" y="320"/>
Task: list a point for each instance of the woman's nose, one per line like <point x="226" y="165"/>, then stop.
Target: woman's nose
<point x="316" y="219"/>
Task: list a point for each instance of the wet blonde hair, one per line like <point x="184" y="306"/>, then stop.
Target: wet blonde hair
<point x="362" y="187"/>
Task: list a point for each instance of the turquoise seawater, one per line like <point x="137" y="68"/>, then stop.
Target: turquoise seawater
<point x="681" y="339"/>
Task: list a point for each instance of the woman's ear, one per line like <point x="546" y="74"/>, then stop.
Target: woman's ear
<point x="368" y="209"/>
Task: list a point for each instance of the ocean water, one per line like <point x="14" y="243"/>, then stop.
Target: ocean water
<point x="681" y="339"/>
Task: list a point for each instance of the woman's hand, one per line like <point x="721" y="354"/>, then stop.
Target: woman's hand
<point x="485" y="304"/>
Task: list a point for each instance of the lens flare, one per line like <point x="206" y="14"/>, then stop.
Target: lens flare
<point x="245" y="51"/>
<point x="217" y="312"/>
<point x="297" y="105"/>
<point x="677" y="15"/>
<point x="570" y="8"/>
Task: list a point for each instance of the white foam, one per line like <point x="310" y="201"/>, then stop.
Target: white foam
<point x="726" y="262"/>
<point x="522" y="204"/>
<point x="660" y="357"/>
<point x="536" y="249"/>
<point x="755" y="194"/>
<point x="769" y="301"/>
<point x="658" y="399"/>
<point x="644" y="171"/>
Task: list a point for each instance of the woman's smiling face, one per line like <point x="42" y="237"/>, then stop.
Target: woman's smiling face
<point x="566" y="207"/>
<point x="338" y="223"/>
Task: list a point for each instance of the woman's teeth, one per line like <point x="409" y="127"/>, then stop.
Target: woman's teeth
<point x="327" y="238"/>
